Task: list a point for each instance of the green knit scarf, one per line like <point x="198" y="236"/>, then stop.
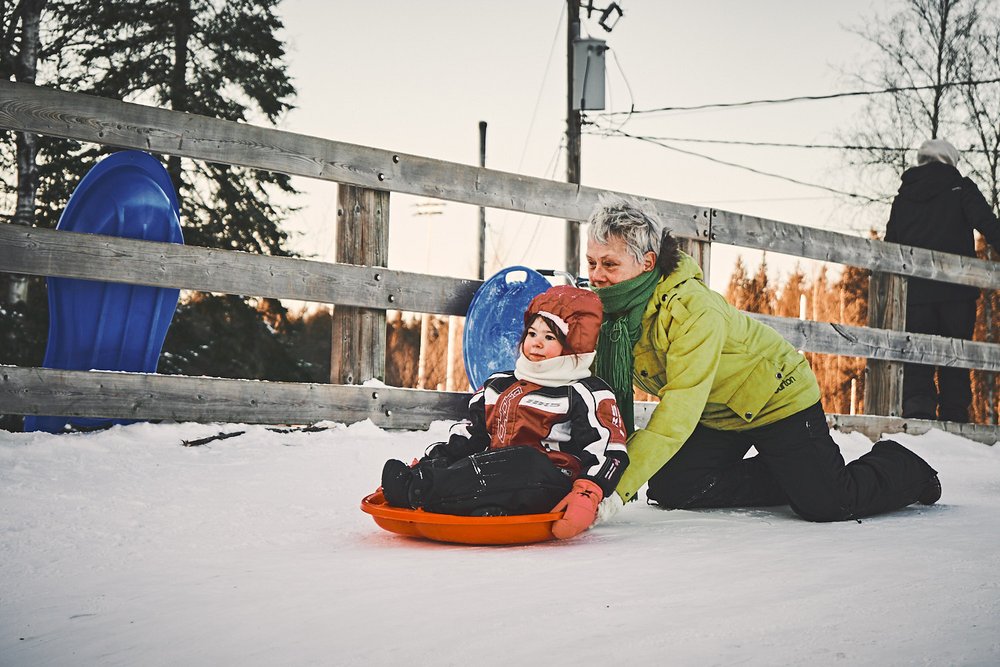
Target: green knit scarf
<point x="624" y="304"/>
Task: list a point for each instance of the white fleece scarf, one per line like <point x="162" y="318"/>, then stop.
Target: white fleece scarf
<point x="556" y="371"/>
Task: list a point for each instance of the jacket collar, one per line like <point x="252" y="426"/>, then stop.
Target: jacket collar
<point x="686" y="269"/>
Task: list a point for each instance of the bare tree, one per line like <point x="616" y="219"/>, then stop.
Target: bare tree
<point x="982" y="106"/>
<point x="921" y="56"/>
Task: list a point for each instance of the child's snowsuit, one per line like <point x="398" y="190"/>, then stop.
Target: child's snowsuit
<point x="531" y="431"/>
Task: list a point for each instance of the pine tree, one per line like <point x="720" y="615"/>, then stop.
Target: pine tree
<point x="790" y="295"/>
<point x="736" y="290"/>
<point x="222" y="60"/>
<point x="761" y="294"/>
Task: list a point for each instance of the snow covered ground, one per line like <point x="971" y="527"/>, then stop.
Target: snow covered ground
<point x="125" y="548"/>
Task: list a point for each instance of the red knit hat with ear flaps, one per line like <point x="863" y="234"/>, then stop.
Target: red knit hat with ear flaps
<point x="577" y="312"/>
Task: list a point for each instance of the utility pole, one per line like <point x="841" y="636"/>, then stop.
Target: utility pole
<point x="482" y="209"/>
<point x="572" y="135"/>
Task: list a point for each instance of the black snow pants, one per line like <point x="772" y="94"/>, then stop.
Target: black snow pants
<point x="797" y="463"/>
<point x="921" y="398"/>
<point x="512" y="480"/>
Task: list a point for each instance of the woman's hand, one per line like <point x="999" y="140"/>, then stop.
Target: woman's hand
<point x="608" y="508"/>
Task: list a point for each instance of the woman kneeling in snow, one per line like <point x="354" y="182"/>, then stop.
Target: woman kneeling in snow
<point x="546" y="436"/>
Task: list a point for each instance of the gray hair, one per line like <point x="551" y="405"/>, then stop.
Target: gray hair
<point x="937" y="150"/>
<point x="635" y="223"/>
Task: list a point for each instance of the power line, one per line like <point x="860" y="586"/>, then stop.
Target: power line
<point x="612" y="132"/>
<point x="527" y="139"/>
<point x="778" y="144"/>
<point x="541" y="89"/>
<point x="804" y="98"/>
<point x="767" y="144"/>
<point x="628" y="87"/>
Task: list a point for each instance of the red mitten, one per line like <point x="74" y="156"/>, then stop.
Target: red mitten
<point x="581" y="509"/>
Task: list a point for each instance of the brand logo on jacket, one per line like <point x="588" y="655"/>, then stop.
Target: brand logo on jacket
<point x="784" y="383"/>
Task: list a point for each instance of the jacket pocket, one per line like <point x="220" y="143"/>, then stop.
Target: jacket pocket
<point x="750" y="398"/>
<point x="650" y="373"/>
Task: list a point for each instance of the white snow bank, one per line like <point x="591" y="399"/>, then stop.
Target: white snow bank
<point x="123" y="547"/>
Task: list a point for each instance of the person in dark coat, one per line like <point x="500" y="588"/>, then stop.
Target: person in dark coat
<point x="937" y="208"/>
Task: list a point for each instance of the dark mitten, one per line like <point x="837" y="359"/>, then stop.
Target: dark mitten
<point x="437" y="455"/>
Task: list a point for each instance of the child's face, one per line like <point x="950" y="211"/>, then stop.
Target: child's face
<point x="540" y="343"/>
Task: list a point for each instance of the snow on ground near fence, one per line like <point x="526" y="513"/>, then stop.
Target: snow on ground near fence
<point x="125" y="548"/>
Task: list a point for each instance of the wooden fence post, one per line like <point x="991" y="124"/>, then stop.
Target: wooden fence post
<point x="701" y="251"/>
<point x="358" y="350"/>
<point x="886" y="310"/>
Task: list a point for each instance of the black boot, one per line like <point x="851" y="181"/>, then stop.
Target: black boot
<point x="931" y="493"/>
<point x="422" y="479"/>
<point x="396" y="480"/>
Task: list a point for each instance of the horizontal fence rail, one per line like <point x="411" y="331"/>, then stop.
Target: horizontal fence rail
<point x="46" y="252"/>
<point x="180" y="398"/>
<point x="93" y="257"/>
<point x="86" y="118"/>
<point x="43" y="391"/>
<point x="883" y="344"/>
<point x="875" y="426"/>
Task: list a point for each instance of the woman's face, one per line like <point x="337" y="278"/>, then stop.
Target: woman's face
<point x="540" y="343"/>
<point x="611" y="263"/>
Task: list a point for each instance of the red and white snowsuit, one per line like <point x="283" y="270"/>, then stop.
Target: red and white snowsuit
<point x="577" y="425"/>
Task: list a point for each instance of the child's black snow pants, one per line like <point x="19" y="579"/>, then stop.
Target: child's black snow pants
<point x="512" y="480"/>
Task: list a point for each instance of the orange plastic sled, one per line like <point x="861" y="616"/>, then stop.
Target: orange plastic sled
<point x="483" y="530"/>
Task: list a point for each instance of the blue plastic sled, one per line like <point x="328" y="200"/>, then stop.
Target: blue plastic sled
<point x="495" y="321"/>
<point x="112" y="326"/>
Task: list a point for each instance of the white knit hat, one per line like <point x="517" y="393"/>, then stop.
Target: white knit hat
<point x="937" y="150"/>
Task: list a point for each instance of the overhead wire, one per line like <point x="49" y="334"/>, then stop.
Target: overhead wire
<point x="541" y="89"/>
<point x="499" y="261"/>
<point x="778" y="144"/>
<point x="628" y="87"/>
<point x="550" y="174"/>
<point x="803" y="98"/>
<point x="773" y="144"/>
<point x="622" y="133"/>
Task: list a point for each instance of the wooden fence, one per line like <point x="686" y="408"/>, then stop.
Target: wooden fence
<point x="363" y="290"/>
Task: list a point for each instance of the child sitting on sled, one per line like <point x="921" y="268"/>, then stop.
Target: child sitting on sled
<point x="545" y="437"/>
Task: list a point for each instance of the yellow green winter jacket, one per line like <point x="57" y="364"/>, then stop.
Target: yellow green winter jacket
<point x="709" y="363"/>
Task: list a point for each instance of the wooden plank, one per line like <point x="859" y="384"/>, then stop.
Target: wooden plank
<point x="357" y="353"/>
<point x="43" y="391"/>
<point x="36" y="391"/>
<point x="800" y="241"/>
<point x="886" y="310"/>
<point x="852" y="341"/>
<point x="92" y="257"/>
<point x="876" y="427"/>
<point x="113" y="123"/>
<point x="42" y="252"/>
<point x="110" y="122"/>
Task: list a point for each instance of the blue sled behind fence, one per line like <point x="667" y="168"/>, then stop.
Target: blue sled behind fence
<point x="495" y="320"/>
<point x="112" y="326"/>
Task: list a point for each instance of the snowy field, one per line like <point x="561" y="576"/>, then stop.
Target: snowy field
<point x="125" y="548"/>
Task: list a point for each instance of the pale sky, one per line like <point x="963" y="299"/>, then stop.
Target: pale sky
<point x="417" y="77"/>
